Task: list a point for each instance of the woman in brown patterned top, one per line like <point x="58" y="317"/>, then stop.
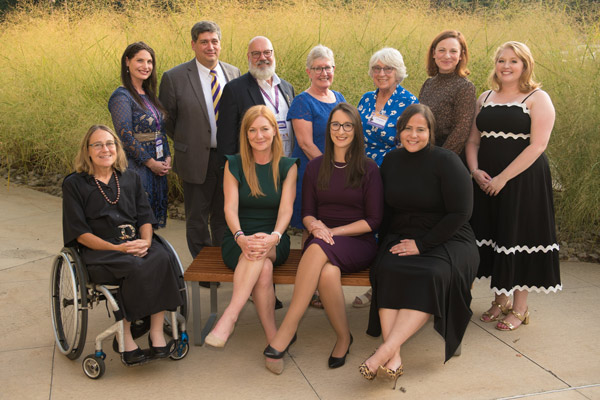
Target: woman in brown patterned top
<point x="449" y="94"/>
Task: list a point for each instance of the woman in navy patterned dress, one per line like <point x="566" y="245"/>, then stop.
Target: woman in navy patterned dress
<point x="513" y="211"/>
<point x="138" y="119"/>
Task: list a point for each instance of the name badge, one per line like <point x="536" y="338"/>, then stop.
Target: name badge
<point x="285" y="138"/>
<point x="378" y="120"/>
<point x="282" y="125"/>
<point x="159" y="148"/>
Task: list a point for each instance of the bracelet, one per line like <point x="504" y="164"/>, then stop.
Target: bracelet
<point x="472" y="172"/>
<point x="237" y="235"/>
<point x="278" y="236"/>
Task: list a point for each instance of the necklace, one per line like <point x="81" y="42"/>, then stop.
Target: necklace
<point x="338" y="167"/>
<point x="104" y="194"/>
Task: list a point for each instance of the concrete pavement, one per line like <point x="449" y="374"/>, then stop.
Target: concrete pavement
<point x="557" y="356"/>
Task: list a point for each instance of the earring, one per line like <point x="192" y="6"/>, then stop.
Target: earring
<point x="128" y="70"/>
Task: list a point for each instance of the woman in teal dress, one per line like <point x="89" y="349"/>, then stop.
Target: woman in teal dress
<point x="138" y="119"/>
<point x="259" y="185"/>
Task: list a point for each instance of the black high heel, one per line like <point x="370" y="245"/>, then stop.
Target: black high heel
<point x="336" y="362"/>
<point x="276" y="354"/>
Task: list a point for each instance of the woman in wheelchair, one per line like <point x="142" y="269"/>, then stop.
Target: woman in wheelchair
<point x="106" y="212"/>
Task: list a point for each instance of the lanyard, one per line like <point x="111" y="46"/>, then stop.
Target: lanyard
<point x="276" y="104"/>
<point x="154" y="113"/>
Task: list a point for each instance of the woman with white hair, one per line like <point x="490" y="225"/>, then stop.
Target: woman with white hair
<point x="309" y="112"/>
<point x="379" y="110"/>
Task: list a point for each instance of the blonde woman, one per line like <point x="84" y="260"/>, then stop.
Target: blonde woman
<point x="259" y="185"/>
<point x="513" y="211"/>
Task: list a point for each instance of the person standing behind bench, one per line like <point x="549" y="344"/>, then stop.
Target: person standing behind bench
<point x="190" y="92"/>
<point x="137" y="116"/>
<point x="259" y="186"/>
<point x="259" y="86"/>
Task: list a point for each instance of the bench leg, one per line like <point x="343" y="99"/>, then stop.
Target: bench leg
<point x="197" y="312"/>
<point x="212" y="318"/>
<point x="458" y="350"/>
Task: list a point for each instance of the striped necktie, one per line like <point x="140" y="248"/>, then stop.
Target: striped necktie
<point x="215" y="89"/>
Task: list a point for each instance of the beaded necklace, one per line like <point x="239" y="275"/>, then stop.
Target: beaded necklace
<point x="104" y="194"/>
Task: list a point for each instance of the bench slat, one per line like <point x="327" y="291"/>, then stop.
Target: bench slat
<point x="208" y="266"/>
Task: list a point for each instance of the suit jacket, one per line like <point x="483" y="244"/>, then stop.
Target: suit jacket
<point x="187" y="121"/>
<point x="238" y="96"/>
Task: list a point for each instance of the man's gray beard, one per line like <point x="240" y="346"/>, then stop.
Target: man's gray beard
<point x="262" y="73"/>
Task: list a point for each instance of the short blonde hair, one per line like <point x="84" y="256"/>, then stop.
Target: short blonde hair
<point x="83" y="162"/>
<point x="248" y="163"/>
<point x="527" y="81"/>
<point x="391" y="58"/>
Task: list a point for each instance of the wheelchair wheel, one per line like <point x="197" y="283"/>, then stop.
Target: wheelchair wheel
<point x="179" y="271"/>
<point x="93" y="366"/>
<point x="182" y="347"/>
<point x="68" y="302"/>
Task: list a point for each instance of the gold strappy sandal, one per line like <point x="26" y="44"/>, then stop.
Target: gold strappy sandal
<point x="510" y="327"/>
<point x="504" y="309"/>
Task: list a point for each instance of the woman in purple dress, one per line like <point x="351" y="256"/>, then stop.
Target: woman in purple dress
<point x="342" y="203"/>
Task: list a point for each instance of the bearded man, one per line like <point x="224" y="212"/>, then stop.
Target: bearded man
<point x="260" y="85"/>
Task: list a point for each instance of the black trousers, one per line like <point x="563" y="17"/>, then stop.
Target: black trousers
<point x="204" y="216"/>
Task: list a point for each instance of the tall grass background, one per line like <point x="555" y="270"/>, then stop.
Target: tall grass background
<point x="60" y="63"/>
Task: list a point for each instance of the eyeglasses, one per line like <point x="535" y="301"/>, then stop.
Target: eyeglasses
<point x="327" y="69"/>
<point x="386" y="70"/>
<point x="266" y="53"/>
<point x="346" y="126"/>
<point x="100" y="146"/>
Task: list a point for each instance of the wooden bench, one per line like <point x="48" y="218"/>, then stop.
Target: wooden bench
<point x="208" y="266"/>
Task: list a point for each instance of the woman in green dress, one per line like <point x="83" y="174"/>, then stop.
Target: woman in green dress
<point x="259" y="185"/>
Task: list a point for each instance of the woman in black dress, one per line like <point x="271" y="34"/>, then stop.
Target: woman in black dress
<point x="513" y="210"/>
<point x="427" y="256"/>
<point x="106" y="213"/>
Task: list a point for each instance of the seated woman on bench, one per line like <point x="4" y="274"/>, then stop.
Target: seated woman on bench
<point x="106" y="211"/>
<point x="259" y="185"/>
<point x="427" y="254"/>
<point x="342" y="203"/>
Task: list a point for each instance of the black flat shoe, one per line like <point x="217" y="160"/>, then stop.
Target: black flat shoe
<point x="336" y="362"/>
<point x="159" y="352"/>
<point x="134" y="356"/>
<point x="276" y="354"/>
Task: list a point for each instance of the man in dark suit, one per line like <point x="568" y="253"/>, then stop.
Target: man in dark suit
<point x="260" y="85"/>
<point x="191" y="94"/>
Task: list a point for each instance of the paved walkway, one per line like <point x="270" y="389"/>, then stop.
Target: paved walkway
<point x="557" y="356"/>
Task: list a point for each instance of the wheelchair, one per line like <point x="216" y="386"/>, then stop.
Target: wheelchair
<point x="72" y="294"/>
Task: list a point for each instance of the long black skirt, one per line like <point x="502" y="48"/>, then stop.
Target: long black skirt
<point x="437" y="282"/>
<point x="147" y="284"/>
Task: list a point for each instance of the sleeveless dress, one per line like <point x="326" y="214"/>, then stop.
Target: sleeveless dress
<point x="128" y="119"/>
<point x="515" y="230"/>
<point x="257" y="214"/>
